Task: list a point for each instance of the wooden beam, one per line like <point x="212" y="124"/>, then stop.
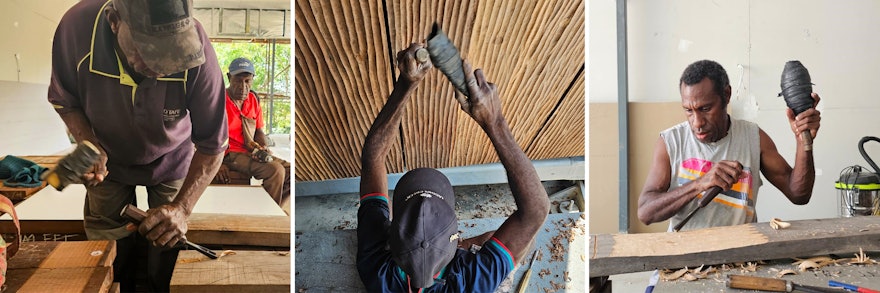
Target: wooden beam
<point x="82" y="266"/>
<point x="244" y="271"/>
<point x="226" y="229"/>
<point x="625" y="253"/>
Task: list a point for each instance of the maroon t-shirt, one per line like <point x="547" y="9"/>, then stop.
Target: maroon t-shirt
<point x="148" y="129"/>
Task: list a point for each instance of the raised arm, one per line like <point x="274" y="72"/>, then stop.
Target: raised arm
<point x="796" y="183"/>
<point x="374" y="175"/>
<point x="532" y="202"/>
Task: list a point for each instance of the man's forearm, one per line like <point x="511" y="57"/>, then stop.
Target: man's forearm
<point x="525" y="185"/>
<point x="79" y="126"/>
<point x="803" y="176"/>
<point x="202" y="169"/>
<point x="381" y="137"/>
<point x="260" y="137"/>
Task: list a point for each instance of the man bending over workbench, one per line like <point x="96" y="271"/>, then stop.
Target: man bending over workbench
<point x="140" y="80"/>
<point x="713" y="149"/>
<point x="418" y="247"/>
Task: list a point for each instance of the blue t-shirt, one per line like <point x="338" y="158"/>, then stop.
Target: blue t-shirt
<point x="482" y="271"/>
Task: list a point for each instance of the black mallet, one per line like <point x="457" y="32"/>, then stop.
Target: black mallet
<point x="445" y="57"/>
<point x="796" y="89"/>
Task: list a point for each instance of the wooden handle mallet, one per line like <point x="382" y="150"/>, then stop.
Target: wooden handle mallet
<point x="796" y="89"/>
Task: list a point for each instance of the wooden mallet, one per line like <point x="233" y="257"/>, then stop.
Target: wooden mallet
<point x="796" y="90"/>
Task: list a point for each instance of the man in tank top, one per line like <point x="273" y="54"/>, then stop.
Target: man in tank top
<point x="713" y="149"/>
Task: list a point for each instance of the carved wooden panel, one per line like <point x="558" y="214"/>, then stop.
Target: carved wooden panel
<point x="532" y="50"/>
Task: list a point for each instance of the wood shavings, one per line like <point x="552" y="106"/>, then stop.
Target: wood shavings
<point x="861" y="258"/>
<point x="283" y="253"/>
<point x="191" y="260"/>
<point x="815" y="259"/>
<point x="785" y="272"/>
<point x="666" y="276"/>
<point x="808" y="264"/>
<point x="543" y="272"/>
<point x="748" y="267"/>
<point x="777" y="223"/>
<point x="225" y="253"/>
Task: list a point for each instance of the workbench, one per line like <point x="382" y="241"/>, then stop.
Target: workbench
<point x="224" y="215"/>
<point x="559" y="266"/>
<point x="862" y="275"/>
<point x="82" y="266"/>
<point x="18" y="194"/>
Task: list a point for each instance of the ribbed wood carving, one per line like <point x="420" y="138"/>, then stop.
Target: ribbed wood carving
<point x="532" y="50"/>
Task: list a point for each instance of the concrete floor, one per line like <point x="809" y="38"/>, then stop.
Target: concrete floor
<point x="325" y="224"/>
<point x="339" y="211"/>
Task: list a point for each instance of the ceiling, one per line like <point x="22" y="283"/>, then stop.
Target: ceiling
<point x="532" y="50"/>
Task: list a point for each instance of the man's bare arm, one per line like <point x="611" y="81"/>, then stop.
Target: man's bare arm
<point x="657" y="203"/>
<point x="166" y="224"/>
<point x="531" y="199"/>
<point x="795" y="183"/>
<point x="384" y="131"/>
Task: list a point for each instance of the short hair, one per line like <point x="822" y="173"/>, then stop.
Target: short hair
<point x="697" y="71"/>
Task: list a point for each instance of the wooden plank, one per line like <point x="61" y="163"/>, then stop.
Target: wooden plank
<point x="226" y="229"/>
<point x="51" y="255"/>
<point x="63" y="280"/>
<point x="18" y="194"/>
<point x="612" y="254"/>
<point x="245" y="271"/>
<point x="84" y="266"/>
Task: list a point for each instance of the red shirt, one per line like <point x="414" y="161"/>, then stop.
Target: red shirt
<point x="251" y="109"/>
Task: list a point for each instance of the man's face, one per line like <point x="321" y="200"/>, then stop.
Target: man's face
<point x="132" y="57"/>
<point x="705" y="110"/>
<point x="240" y="85"/>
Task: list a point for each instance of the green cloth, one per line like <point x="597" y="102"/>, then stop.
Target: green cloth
<point x="19" y="172"/>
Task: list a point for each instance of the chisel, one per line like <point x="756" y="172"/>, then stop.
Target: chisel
<point x="707" y="198"/>
<point x="136" y="216"/>
<point x="773" y="285"/>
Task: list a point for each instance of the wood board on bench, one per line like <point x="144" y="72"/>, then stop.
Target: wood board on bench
<point x="224" y="215"/>
<point x="82" y="266"/>
<point x="244" y="271"/>
<point x="626" y="253"/>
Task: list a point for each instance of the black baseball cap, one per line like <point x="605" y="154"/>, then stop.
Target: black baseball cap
<point x="424" y="228"/>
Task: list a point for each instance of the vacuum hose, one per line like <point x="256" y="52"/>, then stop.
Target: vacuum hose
<point x="865" y="155"/>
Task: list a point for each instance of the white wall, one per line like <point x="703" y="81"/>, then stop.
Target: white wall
<point x="27" y="29"/>
<point x="837" y="41"/>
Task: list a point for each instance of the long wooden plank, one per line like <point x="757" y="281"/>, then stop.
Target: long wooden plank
<point x="227" y="229"/>
<point x="625" y="253"/>
<point x="73" y="280"/>
<point x="245" y="271"/>
<point x="83" y="266"/>
<point x="52" y="255"/>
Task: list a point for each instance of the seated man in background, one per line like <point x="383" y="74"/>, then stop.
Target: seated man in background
<point x="248" y="151"/>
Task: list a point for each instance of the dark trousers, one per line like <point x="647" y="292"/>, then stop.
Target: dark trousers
<point x="141" y="267"/>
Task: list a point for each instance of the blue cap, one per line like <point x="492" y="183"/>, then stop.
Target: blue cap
<point x="240" y="65"/>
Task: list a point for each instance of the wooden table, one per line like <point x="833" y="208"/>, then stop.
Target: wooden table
<point x="82" y="266"/>
<point x="224" y="215"/>
<point x="18" y="194"/>
<point x="244" y="271"/>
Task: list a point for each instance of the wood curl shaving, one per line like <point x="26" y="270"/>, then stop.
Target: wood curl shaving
<point x="777" y="223"/>
<point x="785" y="272"/>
